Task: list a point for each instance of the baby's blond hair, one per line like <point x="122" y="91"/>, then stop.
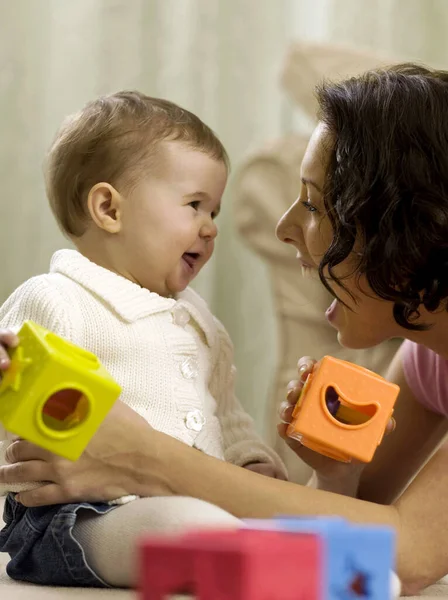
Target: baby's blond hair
<point x="112" y="139"/>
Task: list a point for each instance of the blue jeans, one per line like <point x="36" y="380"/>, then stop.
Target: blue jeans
<point x="42" y="547"/>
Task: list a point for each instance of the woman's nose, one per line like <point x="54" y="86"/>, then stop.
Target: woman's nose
<point x="286" y="229"/>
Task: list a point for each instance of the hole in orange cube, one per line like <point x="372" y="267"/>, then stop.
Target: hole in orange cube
<point x="347" y="413"/>
<point x="65" y="409"/>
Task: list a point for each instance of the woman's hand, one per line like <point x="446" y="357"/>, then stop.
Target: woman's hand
<point x="118" y="461"/>
<point x="8" y="340"/>
<point x="330" y="475"/>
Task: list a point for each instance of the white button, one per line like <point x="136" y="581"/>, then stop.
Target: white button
<point x="194" y="420"/>
<point x="189" y="368"/>
<point x="181" y="316"/>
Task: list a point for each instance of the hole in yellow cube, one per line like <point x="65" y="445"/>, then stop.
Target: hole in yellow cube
<point x="65" y="409"/>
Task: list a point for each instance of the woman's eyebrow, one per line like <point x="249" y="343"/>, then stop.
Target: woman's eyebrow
<point x="307" y="181"/>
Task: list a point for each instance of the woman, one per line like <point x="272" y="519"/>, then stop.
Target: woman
<point x="372" y="220"/>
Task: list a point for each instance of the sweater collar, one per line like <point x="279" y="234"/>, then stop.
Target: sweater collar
<point x="126" y="298"/>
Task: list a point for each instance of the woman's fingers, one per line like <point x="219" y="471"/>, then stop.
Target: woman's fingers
<point x="293" y="391"/>
<point x="285" y="412"/>
<point x="24" y="472"/>
<point x="21" y="450"/>
<point x="45" y="495"/>
<point x="8" y="339"/>
<point x="305" y="365"/>
<point x="390" y="428"/>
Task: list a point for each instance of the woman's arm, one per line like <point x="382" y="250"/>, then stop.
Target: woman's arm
<point x="128" y="457"/>
<point x="419" y="517"/>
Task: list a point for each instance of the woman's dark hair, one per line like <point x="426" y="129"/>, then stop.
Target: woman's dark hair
<point x="387" y="184"/>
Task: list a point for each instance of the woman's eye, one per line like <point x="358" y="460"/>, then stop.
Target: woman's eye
<point x="195" y="204"/>
<point x="308" y="206"/>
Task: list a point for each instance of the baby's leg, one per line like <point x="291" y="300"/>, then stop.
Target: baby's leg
<point x="110" y="541"/>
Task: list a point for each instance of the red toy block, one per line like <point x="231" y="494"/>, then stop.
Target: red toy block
<point x="233" y="565"/>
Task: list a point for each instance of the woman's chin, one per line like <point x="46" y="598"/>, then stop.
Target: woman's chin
<point x="356" y="342"/>
<point x="344" y="341"/>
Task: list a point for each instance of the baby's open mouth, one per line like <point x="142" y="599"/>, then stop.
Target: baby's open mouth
<point x="190" y="258"/>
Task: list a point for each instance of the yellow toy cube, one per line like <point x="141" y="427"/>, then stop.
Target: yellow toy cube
<point x="54" y="393"/>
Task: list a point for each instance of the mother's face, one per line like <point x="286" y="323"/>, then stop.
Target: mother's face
<point x="366" y="320"/>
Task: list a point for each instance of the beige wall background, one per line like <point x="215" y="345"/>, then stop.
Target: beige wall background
<point x="220" y="59"/>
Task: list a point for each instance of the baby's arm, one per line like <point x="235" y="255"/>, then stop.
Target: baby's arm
<point x="34" y="300"/>
<point x="38" y="300"/>
<point x="242" y="445"/>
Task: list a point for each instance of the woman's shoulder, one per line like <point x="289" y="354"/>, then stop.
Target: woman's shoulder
<point x="426" y="373"/>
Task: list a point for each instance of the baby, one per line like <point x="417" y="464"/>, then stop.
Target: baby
<point x="136" y="184"/>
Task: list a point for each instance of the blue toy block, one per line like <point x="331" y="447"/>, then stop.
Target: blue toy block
<point x="358" y="559"/>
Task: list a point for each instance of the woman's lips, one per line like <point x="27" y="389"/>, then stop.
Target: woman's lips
<point x="331" y="311"/>
<point x="305" y="263"/>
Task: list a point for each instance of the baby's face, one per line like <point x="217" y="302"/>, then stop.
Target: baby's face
<point x="168" y="222"/>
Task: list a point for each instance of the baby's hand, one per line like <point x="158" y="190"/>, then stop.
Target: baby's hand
<point x="266" y="469"/>
<point x="8" y="339"/>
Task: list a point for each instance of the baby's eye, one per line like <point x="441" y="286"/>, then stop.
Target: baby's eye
<point x="195" y="204"/>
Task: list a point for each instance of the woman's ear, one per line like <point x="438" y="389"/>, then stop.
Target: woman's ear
<point x="104" y="204"/>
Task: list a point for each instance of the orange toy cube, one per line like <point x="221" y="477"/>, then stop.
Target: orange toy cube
<point x="343" y="410"/>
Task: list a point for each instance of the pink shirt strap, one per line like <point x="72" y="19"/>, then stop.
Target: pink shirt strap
<point x="426" y="374"/>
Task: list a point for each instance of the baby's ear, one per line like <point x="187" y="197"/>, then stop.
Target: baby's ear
<point x="104" y="204"/>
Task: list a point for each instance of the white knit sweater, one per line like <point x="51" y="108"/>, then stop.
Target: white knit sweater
<point x="172" y="358"/>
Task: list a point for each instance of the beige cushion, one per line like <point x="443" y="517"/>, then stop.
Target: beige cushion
<point x="308" y="63"/>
